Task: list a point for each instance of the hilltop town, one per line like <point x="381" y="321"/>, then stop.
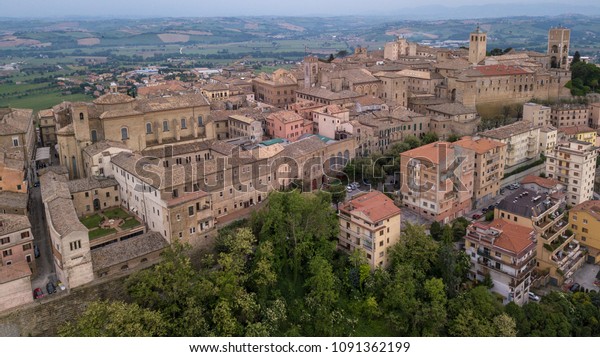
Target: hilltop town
<point x="491" y="154"/>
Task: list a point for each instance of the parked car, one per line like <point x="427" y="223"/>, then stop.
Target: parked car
<point x="476" y="216"/>
<point x="491" y="207"/>
<point x="50" y="288"/>
<point x="575" y="287"/>
<point x="502" y="191"/>
<point x="484" y="210"/>
<point x="38" y="293"/>
<point x="60" y="285"/>
<point x="349" y="188"/>
<point x="36" y="251"/>
<point x="533" y="296"/>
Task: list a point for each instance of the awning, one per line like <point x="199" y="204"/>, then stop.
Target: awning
<point x="42" y="154"/>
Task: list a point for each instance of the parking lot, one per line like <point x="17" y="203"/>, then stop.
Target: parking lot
<point x="586" y="276"/>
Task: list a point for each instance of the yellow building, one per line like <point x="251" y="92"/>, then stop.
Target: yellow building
<point x="578" y="132"/>
<point x="370" y="221"/>
<point x="559" y="255"/>
<point x="584" y="220"/>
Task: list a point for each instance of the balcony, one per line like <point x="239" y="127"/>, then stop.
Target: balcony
<point x="570" y="251"/>
<point x="554" y="232"/>
<point x="357" y="235"/>
<point x="486" y="264"/>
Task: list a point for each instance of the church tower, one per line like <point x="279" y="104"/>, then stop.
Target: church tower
<point x="558" y="47"/>
<point x="311" y="71"/>
<point x="477" y="46"/>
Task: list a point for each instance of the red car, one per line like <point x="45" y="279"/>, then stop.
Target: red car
<point x="38" y="293"/>
<point x="476" y="216"/>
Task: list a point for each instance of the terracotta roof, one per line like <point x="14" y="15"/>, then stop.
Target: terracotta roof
<point x="16" y="121"/>
<point x="13" y="200"/>
<point x="168" y="103"/>
<point x="506" y="131"/>
<point x="540" y="181"/>
<point x="498" y="70"/>
<point x="46" y="113"/>
<point x="125" y="250"/>
<point x="90" y="183"/>
<point x="432" y="152"/>
<point x="592" y="207"/>
<point x="369" y="100"/>
<point x="375" y="205"/>
<point x="451" y="109"/>
<point x="514" y="238"/>
<point x="100" y="146"/>
<point x="285" y="116"/>
<point x="15" y="271"/>
<point x="113" y="98"/>
<point x="10" y="223"/>
<point x="67" y="130"/>
<point x="327" y="94"/>
<point x="576" y="129"/>
<point x="480" y="145"/>
<point x="119" y="113"/>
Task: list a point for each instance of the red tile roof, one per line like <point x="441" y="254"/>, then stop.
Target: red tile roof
<point x="374" y="205"/>
<point x="500" y="70"/>
<point x="540" y="181"/>
<point x="514" y="238"/>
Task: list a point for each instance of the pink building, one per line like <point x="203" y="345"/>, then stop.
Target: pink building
<point x="287" y="125"/>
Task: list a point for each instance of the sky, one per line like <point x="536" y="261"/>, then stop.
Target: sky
<point x="199" y="8"/>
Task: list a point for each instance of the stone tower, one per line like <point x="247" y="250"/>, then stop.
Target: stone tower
<point x="81" y="123"/>
<point x="477" y="46"/>
<point x="558" y="47"/>
<point x="311" y="71"/>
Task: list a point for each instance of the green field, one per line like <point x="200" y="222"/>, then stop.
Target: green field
<point x="41" y="101"/>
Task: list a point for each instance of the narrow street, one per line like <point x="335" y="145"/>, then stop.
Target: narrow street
<point x="44" y="264"/>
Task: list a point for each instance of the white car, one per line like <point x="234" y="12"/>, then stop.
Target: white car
<point x="349" y="188"/>
<point x="533" y="297"/>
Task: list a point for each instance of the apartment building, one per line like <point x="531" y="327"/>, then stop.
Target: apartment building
<point x="584" y="221"/>
<point x="521" y="138"/>
<point x="506" y="252"/>
<point x="287" y="125"/>
<point x="536" y="114"/>
<point x="562" y="115"/>
<point x="558" y="254"/>
<point x="437" y="180"/>
<point x="488" y="167"/>
<point x="241" y="126"/>
<point x="329" y="120"/>
<point x="13" y="174"/>
<point x="578" y="132"/>
<point x="371" y="222"/>
<point x="573" y="163"/>
<point x="548" y="139"/>
<point x="16" y="240"/>
<point x="96" y="157"/>
<point x="17" y="136"/>
<point x="325" y="96"/>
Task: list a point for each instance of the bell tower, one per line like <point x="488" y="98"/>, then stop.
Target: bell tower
<point x="558" y="47"/>
<point x="477" y="46"/>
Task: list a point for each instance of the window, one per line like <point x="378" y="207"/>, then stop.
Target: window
<point x="148" y="128"/>
<point x="192" y="230"/>
<point x="183" y="124"/>
<point x="15" y="141"/>
<point x="75" y="245"/>
<point x="165" y="125"/>
<point x="124" y="134"/>
<point x="94" y="136"/>
<point x="200" y="120"/>
<point x="191" y="210"/>
<point x="5" y="240"/>
<point x="7" y="253"/>
<point x="19" y="187"/>
<point x="498" y="255"/>
<point x="585" y="221"/>
<point x="584" y="230"/>
<point x="26" y="246"/>
<point x="25" y="234"/>
<point x="108" y="194"/>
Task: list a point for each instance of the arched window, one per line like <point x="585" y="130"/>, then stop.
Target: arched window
<point x="124" y="133"/>
<point x="183" y="123"/>
<point x="80" y="116"/>
<point x="165" y="125"/>
<point x="148" y="128"/>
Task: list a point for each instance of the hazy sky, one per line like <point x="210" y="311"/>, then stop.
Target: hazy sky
<point x="192" y="8"/>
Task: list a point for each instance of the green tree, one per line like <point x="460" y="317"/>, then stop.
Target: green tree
<point x="435" y="230"/>
<point x="415" y="248"/>
<point x="576" y="57"/>
<point x="116" y="319"/>
<point x="429" y="138"/>
<point x="489" y="215"/>
<point x="338" y="193"/>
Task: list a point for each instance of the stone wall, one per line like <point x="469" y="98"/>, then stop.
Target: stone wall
<point x="45" y="316"/>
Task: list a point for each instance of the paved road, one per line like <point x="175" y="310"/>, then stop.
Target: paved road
<point x="41" y="238"/>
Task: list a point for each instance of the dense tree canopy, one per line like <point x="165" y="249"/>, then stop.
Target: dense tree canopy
<point x="279" y="274"/>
